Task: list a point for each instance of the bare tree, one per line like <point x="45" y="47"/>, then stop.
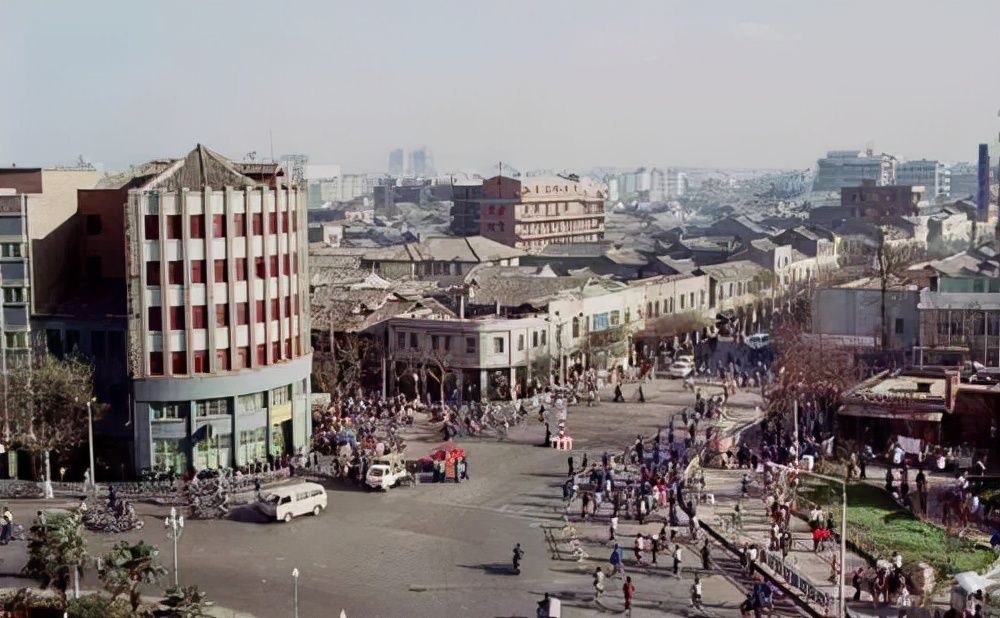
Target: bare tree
<point x="888" y="266"/>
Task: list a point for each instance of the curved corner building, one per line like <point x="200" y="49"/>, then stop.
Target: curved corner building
<point x="218" y="327"/>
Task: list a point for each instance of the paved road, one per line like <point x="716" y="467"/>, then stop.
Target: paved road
<point x="436" y="550"/>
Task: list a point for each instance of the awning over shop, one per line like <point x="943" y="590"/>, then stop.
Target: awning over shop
<point x="908" y="415"/>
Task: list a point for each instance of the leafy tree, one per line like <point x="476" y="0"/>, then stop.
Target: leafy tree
<point x="187" y="602"/>
<point x="47" y="404"/>
<point x="127" y="567"/>
<point x="55" y="548"/>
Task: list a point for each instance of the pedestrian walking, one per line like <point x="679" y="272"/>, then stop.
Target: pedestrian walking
<point x="696" y="593"/>
<point x="616" y="561"/>
<point x="856" y="581"/>
<point x="628" y="590"/>
<point x="619" y="398"/>
<point x="706" y="556"/>
<point x="654" y="545"/>
<point x="642" y="398"/>
<point x="677" y="561"/>
<point x="598" y="583"/>
<point x="613" y="527"/>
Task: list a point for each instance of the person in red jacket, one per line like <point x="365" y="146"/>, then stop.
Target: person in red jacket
<point x="628" y="589"/>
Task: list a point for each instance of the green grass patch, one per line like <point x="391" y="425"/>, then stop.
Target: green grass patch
<point x="878" y="525"/>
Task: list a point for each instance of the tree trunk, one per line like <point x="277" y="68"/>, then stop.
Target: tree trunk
<point x="48" y="476"/>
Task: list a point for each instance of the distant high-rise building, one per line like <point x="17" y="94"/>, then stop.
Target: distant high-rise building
<point x="850" y="168"/>
<point x="983" y="182"/>
<point x="932" y="175"/>
<point x="421" y="163"/>
<point x="396" y="162"/>
<point x="295" y="167"/>
<point x="682" y="184"/>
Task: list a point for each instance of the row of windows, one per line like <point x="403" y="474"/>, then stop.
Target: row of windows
<point x="199" y="314"/>
<point x="226" y="362"/>
<point x="443" y="342"/>
<point x="11" y="249"/>
<point x="175" y="270"/>
<point x="14" y="295"/>
<point x="16" y="339"/>
<point x="196" y="225"/>
<point x="220" y="406"/>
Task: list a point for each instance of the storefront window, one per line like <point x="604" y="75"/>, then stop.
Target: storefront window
<point x="214" y="452"/>
<point x="169" y="411"/>
<point x="169" y="455"/>
<point x="249" y="404"/>
<point x="212" y="407"/>
<point x="253" y="446"/>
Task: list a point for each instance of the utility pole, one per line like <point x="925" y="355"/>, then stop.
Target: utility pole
<point x="175" y="527"/>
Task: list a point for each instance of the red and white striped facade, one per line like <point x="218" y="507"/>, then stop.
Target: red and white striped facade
<point x="218" y="280"/>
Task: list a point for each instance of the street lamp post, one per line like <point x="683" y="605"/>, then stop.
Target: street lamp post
<point x="295" y="593"/>
<point x="90" y="443"/>
<point x="175" y="527"/>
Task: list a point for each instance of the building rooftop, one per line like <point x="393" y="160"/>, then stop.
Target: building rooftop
<point x="202" y="167"/>
<point x="971" y="263"/>
<point x="737" y="270"/>
<point x="512" y="287"/>
<point x="446" y="249"/>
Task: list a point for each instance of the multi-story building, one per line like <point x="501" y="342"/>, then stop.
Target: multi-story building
<point x="880" y="202"/>
<point x="467" y="200"/>
<point x="421" y="163"/>
<point x="188" y="298"/>
<point x="15" y="277"/>
<point x="396" y="162"/>
<point x="932" y="175"/>
<point x="849" y="168"/>
<point x="960" y="309"/>
<point x="532" y="212"/>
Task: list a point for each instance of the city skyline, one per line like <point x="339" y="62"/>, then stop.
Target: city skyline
<point x="774" y="85"/>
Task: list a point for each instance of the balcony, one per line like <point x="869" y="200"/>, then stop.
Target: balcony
<point x="540" y="217"/>
<point x="555" y="234"/>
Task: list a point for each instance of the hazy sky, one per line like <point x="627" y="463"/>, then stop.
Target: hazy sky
<point x="571" y="84"/>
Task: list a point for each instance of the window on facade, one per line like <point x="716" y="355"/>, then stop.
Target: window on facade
<point x="156" y="363"/>
<point x="275" y="305"/>
<point x="259" y="310"/>
<point x="175" y="272"/>
<point x="272" y="222"/>
<point x="13" y="295"/>
<point x="222" y="359"/>
<point x="241" y="269"/>
<point x="212" y="407"/>
<point x="93" y="225"/>
<point x="168" y="411"/>
<point x="197" y="226"/>
<point x="434" y="342"/>
<point x="151" y="223"/>
<point x="198" y="271"/>
<point x="534" y="339"/>
<point x="242" y="313"/>
<point x="239" y="224"/>
<point x="682" y="302"/>
<point x="600" y="321"/>
<point x="155" y="318"/>
<point x="173" y="226"/>
<point x="470" y="345"/>
<point x="176" y="318"/>
<point x="899" y="326"/>
<point x="615" y="318"/>
<point x="656" y="309"/>
<point x="219" y="275"/>
<point x="201" y="361"/>
<point x="242" y="357"/>
<point x="199" y="316"/>
<point x="16" y="339"/>
<point x="257" y="221"/>
<point x="413" y="340"/>
<point x="178" y="362"/>
<point x="520" y="343"/>
<point x="273" y="262"/>
<point x="250" y="404"/>
<point x="286" y="266"/>
<point x="275" y="351"/>
<point x="218" y="226"/>
<point x="498" y="345"/>
<point x="222" y="315"/>
<point x="10" y="249"/>
<point x="576" y="327"/>
<point x="400" y="340"/>
<point x="691" y="300"/>
<point x="168" y="454"/>
<point x="259" y="267"/>
<point x="543" y="337"/>
<point x="281" y="395"/>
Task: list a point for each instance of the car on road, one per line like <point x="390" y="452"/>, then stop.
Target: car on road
<point x="386" y="472"/>
<point x="758" y="341"/>
<point x="681" y="369"/>
<point x="287" y="501"/>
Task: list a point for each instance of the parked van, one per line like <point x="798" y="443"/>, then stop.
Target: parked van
<point x="758" y="341"/>
<point x="287" y="501"/>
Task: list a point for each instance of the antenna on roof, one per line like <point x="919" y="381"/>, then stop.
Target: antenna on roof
<point x="270" y="136"/>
